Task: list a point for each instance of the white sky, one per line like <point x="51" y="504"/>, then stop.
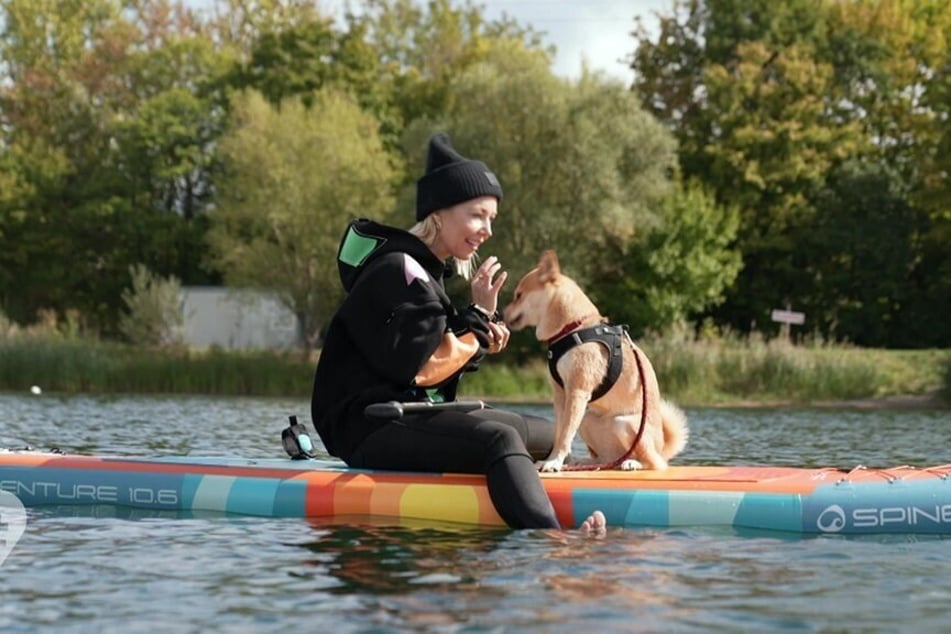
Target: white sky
<point x="597" y="32"/>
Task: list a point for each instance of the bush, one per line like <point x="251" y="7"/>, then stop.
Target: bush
<point x="154" y="314"/>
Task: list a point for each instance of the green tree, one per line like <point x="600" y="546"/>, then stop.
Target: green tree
<point x="680" y="269"/>
<point x="769" y="99"/>
<point x="304" y="58"/>
<point x="55" y="108"/>
<point x="109" y="125"/>
<point x="422" y="47"/>
<point x="294" y="176"/>
<point x="239" y="24"/>
<point x="581" y="164"/>
<point x="395" y="57"/>
<point x="775" y="142"/>
<point x="166" y="148"/>
<point x="861" y="254"/>
<point x="588" y="172"/>
<point x="293" y="62"/>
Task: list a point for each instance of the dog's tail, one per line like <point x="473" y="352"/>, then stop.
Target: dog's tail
<point x="675" y="429"/>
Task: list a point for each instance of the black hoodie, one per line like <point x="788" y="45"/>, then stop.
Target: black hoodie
<point x="395" y="325"/>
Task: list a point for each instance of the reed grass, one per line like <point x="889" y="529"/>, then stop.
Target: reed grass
<point x="99" y="367"/>
<point x="752" y="369"/>
<point x="691" y="371"/>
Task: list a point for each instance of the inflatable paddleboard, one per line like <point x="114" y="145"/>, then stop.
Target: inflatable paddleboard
<point x="901" y="499"/>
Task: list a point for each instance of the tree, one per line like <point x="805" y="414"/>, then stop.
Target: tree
<point x="109" y="112"/>
<point x="294" y="176"/>
<point x="580" y="163"/>
<point x="860" y="251"/>
<point x="768" y="100"/>
<point x="239" y="24"/>
<point x="775" y="141"/>
<point x="51" y="128"/>
<point x="304" y="58"/>
<point x="588" y="172"/>
<point x="422" y="47"/>
<point x="680" y="269"/>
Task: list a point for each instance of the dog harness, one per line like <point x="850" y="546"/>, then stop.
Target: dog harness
<point x="611" y="337"/>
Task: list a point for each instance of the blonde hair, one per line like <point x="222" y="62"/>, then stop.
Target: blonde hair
<point x="427" y="230"/>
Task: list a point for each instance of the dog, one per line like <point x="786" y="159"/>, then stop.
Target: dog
<point x="585" y="355"/>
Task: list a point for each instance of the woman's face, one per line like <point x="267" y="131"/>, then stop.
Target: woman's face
<point x="464" y="227"/>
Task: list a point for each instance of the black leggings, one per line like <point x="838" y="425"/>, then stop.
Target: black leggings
<point x="501" y="444"/>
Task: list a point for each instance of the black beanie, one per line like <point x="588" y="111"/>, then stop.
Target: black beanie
<point x="451" y="178"/>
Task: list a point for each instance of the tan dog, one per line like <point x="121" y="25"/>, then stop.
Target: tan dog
<point x="557" y="307"/>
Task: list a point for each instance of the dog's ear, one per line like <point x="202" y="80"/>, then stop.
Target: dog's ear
<point x="548" y="267"/>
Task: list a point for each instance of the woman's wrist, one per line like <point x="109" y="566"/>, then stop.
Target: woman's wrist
<point x="493" y="317"/>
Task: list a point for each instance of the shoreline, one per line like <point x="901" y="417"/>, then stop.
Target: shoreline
<point x="932" y="400"/>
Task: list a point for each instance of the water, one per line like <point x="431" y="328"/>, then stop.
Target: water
<point x="81" y="570"/>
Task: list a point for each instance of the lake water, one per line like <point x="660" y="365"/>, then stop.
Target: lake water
<point x="75" y="572"/>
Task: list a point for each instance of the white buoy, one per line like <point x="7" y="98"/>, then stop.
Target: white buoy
<point x="36" y="390"/>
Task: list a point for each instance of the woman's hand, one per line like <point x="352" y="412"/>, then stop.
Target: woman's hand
<point x="486" y="284"/>
<point x="498" y="337"/>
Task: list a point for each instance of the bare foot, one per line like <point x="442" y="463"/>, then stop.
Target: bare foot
<point x="595" y="525"/>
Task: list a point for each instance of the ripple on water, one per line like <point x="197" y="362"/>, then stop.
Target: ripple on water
<point x="102" y="570"/>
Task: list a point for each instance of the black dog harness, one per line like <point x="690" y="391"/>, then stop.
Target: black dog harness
<point x="611" y="337"/>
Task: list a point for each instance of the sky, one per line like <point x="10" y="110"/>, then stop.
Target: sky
<point x="596" y="32"/>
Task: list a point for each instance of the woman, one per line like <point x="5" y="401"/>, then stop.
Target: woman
<point x="396" y="336"/>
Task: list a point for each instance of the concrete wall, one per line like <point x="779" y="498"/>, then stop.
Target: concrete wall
<point x="236" y="319"/>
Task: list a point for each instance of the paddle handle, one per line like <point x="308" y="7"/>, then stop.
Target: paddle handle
<point x="394" y="410"/>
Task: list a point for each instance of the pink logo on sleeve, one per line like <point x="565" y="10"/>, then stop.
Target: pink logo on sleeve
<point x="413" y="270"/>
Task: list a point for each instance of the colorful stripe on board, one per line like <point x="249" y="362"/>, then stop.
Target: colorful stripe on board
<point x="811" y="501"/>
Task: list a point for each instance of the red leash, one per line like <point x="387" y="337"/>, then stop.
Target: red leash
<point x="640" y="430"/>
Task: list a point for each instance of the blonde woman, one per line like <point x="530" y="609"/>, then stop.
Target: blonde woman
<point x="397" y="337"/>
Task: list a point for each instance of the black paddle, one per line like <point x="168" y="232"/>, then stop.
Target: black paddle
<point x="394" y="410"/>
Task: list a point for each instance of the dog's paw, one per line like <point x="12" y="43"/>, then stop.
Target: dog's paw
<point x="550" y="466"/>
<point x="630" y="465"/>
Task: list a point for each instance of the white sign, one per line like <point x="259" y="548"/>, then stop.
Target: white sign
<point x="788" y="317"/>
<point x="12" y="523"/>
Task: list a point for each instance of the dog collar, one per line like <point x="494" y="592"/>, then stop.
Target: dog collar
<point x="569" y="328"/>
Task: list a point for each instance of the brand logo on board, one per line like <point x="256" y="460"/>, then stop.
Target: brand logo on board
<point x="834" y="518"/>
<point x="12" y="523"/>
